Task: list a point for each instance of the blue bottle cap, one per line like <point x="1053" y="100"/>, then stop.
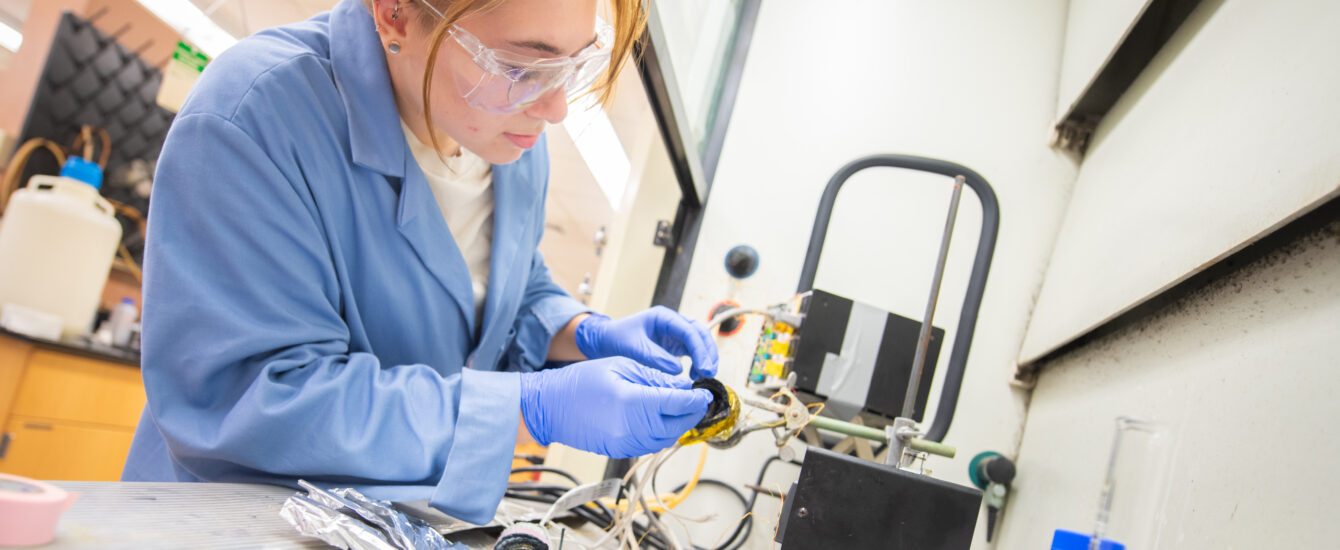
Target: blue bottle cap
<point x="1070" y="540"/>
<point x="82" y="170"/>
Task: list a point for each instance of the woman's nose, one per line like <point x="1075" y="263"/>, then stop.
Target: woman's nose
<point x="552" y="106"/>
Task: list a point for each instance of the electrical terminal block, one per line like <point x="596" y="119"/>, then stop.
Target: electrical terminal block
<point x="775" y="351"/>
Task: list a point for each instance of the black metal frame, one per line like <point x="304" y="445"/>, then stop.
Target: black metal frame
<point x="695" y="174"/>
<point x="1147" y="35"/>
<point x="981" y="266"/>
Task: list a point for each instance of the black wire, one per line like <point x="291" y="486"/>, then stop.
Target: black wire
<point x="533" y="459"/>
<point x="542" y="469"/>
<point x="538" y="487"/>
<point x="738" y="496"/>
<point x="604" y="518"/>
<point x="746" y="526"/>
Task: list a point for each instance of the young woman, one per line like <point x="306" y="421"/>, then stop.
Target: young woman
<point x="342" y="282"/>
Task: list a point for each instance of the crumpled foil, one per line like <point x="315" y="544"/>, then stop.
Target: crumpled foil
<point x="344" y="518"/>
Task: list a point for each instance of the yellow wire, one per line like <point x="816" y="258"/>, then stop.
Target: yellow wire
<point x="672" y="500"/>
<point x="676" y="499"/>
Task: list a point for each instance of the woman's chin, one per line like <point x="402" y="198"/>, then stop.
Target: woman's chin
<point x="500" y="151"/>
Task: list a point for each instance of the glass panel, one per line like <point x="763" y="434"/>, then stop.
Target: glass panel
<point x="699" y="35"/>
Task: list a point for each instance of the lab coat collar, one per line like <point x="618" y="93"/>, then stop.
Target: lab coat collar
<point x="374" y="124"/>
<point x="377" y="143"/>
<point x="360" y="71"/>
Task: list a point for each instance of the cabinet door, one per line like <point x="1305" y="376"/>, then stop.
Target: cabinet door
<point x="65" y="387"/>
<point x="65" y="451"/>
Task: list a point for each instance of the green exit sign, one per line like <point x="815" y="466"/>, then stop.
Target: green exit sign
<point x="190" y="57"/>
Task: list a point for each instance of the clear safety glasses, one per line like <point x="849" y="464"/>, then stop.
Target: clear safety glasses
<point x="507" y="82"/>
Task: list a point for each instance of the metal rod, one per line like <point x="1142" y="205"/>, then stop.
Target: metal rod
<point x="847" y="428"/>
<point x="932" y="447"/>
<point x="924" y="340"/>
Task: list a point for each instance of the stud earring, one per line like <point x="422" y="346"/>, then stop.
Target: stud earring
<point x="393" y="47"/>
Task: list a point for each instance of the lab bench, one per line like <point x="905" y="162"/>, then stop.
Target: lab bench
<point x="149" y="515"/>
<point x="68" y="410"/>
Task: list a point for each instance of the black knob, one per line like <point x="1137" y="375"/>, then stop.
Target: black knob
<point x="999" y="470"/>
<point x="741" y="261"/>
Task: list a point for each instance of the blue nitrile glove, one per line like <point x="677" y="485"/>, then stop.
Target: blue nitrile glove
<point x="656" y="337"/>
<point x="613" y="407"/>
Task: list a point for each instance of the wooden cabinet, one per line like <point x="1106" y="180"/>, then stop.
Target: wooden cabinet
<point x="65" y="417"/>
<point x="53" y="449"/>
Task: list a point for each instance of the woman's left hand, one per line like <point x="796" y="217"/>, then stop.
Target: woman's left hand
<point x="656" y="337"/>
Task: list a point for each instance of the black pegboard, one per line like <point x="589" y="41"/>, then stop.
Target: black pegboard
<point x="90" y="79"/>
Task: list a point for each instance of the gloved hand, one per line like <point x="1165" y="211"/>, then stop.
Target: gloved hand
<point x="656" y="337"/>
<point x="614" y="407"/>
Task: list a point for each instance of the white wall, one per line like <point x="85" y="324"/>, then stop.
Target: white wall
<point x="1239" y="110"/>
<point x="1245" y="372"/>
<point x="1229" y="132"/>
<point x="574" y="210"/>
<point x="971" y="82"/>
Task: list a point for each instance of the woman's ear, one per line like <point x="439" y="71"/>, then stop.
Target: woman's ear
<point x="390" y="16"/>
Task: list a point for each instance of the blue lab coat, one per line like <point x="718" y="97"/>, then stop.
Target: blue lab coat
<point x="307" y="313"/>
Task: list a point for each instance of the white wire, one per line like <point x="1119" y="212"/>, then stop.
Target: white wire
<point x="730" y="313"/>
<point x="622" y="527"/>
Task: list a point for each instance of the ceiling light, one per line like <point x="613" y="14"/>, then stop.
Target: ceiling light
<point x="193" y="24"/>
<point x="10" y="37"/>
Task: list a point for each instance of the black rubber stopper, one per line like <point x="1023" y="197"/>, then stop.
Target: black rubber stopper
<point x="741" y="261"/>
<point x="1000" y="470"/>
<point x="719" y="408"/>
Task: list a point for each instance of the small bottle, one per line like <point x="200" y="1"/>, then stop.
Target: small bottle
<point x="123" y="321"/>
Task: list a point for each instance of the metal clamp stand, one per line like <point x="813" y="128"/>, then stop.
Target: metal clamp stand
<point x="903" y="435"/>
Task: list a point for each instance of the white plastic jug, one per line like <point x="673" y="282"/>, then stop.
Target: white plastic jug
<point x="58" y="238"/>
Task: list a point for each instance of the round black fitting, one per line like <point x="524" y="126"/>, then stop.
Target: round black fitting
<point x="719" y="408"/>
<point x="741" y="261"/>
<point x="999" y="470"/>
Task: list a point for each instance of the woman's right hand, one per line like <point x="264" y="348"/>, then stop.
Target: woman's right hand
<point x="613" y="407"/>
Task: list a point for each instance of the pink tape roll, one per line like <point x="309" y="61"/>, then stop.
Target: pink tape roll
<point x="29" y="510"/>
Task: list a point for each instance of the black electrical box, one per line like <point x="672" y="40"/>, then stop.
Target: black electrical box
<point x="841" y="501"/>
<point x="853" y="353"/>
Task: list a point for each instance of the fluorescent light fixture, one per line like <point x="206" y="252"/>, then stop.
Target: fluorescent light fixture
<point x="10" y="38"/>
<point x="193" y="24"/>
<point x="600" y="147"/>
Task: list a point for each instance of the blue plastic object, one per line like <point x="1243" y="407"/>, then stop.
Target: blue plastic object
<point x="82" y="170"/>
<point x="1070" y="540"/>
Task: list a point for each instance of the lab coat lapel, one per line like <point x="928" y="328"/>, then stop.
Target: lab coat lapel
<point x="420" y="220"/>
<point x="514" y="196"/>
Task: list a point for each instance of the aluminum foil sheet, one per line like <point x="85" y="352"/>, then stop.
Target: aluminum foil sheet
<point x="344" y="518"/>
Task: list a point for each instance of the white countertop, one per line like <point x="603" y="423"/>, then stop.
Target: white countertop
<point x="195" y="515"/>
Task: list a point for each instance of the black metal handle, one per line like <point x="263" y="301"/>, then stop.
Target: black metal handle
<point x="981" y="266"/>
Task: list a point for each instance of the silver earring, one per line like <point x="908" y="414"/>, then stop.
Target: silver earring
<point x="396" y="13"/>
<point x="393" y="47"/>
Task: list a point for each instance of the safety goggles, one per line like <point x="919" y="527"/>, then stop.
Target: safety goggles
<point x="507" y="82"/>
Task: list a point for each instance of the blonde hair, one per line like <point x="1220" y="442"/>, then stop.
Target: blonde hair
<point x="629" y="20"/>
